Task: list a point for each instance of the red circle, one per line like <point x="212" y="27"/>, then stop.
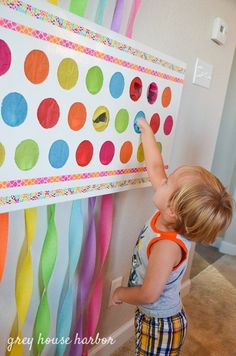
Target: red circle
<point x="107" y="152"/>
<point x="155" y="123"/>
<point x="84" y="153"/>
<point x="135" y="89"/>
<point x="48" y="113"/>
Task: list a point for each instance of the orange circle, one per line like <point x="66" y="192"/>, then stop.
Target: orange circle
<point x="36" y="66"/>
<point x="126" y="152"/>
<point x="77" y="116"/>
<point x="166" y="97"/>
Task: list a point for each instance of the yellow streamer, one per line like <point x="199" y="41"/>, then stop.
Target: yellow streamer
<point x="54" y="2"/>
<point x="24" y="280"/>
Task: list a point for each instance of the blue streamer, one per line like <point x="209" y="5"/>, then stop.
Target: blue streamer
<point x="100" y="11"/>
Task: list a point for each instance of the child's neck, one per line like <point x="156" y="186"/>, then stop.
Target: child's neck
<point x="162" y="224"/>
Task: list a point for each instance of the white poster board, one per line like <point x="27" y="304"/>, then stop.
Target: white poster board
<point x="70" y="92"/>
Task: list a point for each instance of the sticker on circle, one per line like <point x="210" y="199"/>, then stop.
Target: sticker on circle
<point x="166" y="97"/>
<point x="137" y="117"/>
<point x="58" y="154"/>
<point x="101" y="118"/>
<point x="5" y="57"/>
<point x="117" y="84"/>
<point x="67" y="73"/>
<point x="122" y="120"/>
<point x="107" y="152"/>
<point x="94" y="80"/>
<point x="2" y="154"/>
<point x="155" y="123"/>
<point x="140" y="153"/>
<point x="36" y="66"/>
<point x="84" y="153"/>
<point x="126" y="152"/>
<point x="48" y="113"/>
<point x="135" y="89"/>
<point x="77" y="116"/>
<point x="14" y="109"/>
<point x="26" y="155"/>
<point x="152" y="93"/>
<point x="168" y="124"/>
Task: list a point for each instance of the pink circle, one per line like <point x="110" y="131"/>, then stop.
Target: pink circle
<point x="168" y="125"/>
<point x="107" y="152"/>
<point x="5" y="57"/>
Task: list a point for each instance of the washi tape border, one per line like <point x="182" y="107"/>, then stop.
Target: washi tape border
<point x="60" y="22"/>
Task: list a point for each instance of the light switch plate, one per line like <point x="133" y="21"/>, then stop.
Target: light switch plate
<point x="202" y="73"/>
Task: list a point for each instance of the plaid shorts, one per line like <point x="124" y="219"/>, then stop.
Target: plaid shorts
<point x="159" y="336"/>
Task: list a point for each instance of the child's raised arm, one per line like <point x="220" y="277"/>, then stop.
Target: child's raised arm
<point x="153" y="158"/>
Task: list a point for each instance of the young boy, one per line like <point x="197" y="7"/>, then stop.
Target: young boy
<point x="192" y="205"/>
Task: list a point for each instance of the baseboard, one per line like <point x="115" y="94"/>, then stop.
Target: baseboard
<point x="228" y="248"/>
<point x="217" y="243"/>
<point x="126" y="331"/>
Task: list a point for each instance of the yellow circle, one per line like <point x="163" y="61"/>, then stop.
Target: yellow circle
<point x="101" y="118"/>
<point x="140" y="153"/>
<point x="67" y="73"/>
<point x="2" y="154"/>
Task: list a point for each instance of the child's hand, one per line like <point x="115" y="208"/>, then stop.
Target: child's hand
<point x="115" y="297"/>
<point x="143" y="124"/>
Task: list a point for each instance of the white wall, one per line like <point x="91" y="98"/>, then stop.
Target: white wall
<point x="182" y="29"/>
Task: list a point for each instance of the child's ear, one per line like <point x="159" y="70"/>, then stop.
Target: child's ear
<point x="171" y="212"/>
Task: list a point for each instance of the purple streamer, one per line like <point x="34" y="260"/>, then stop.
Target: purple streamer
<point x="85" y="279"/>
<point x="117" y="16"/>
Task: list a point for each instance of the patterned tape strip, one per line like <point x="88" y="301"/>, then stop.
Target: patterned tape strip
<point x="11" y="25"/>
<point x="57" y="21"/>
<point x="67" y="178"/>
<point x="48" y="194"/>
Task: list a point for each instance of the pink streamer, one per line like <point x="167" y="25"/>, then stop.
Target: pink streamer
<point x="117" y="16"/>
<point x="133" y="13"/>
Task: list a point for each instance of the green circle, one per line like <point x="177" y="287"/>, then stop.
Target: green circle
<point x="94" y="80"/>
<point x="159" y="145"/>
<point x="2" y="154"/>
<point x="26" y="155"/>
<point x="67" y="73"/>
<point x="122" y="120"/>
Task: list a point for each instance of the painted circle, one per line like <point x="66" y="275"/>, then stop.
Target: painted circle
<point x="5" y="57"/>
<point x="135" y="89"/>
<point x="26" y="155"/>
<point x="2" y="154"/>
<point x="48" y="113"/>
<point x="58" y="154"/>
<point x="152" y="93"/>
<point x="122" y="120"/>
<point x="94" y="80"/>
<point x="36" y="66"/>
<point x="101" y="118"/>
<point x="140" y="153"/>
<point x="84" y="153"/>
<point x="166" y="97"/>
<point x="155" y="123"/>
<point x="117" y="84"/>
<point x="126" y="151"/>
<point x="137" y="117"/>
<point x="107" y="152"/>
<point x="77" y="116"/>
<point x="168" y="125"/>
<point x="67" y="73"/>
<point x="14" y="109"/>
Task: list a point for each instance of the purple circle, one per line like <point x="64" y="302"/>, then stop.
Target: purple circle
<point x="107" y="152"/>
<point x="5" y="57"/>
<point x="168" y="124"/>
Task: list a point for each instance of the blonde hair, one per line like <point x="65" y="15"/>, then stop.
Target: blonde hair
<point x="202" y="206"/>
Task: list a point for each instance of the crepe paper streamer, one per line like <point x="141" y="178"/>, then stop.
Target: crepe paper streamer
<point x="104" y="237"/>
<point x="46" y="266"/>
<point x="86" y="276"/>
<point x="54" y="2"/>
<point x="133" y="13"/>
<point x="117" y="16"/>
<point x="65" y="310"/>
<point x="24" y="280"/>
<point x="100" y="11"/>
<point x="78" y="7"/>
<point x="4" y="222"/>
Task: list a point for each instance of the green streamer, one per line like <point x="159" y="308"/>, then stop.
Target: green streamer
<point x="78" y="7"/>
<point x="46" y="266"/>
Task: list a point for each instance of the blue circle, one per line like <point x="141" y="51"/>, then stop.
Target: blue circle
<point x="116" y="85"/>
<point x="58" y="154"/>
<point x="14" y="109"/>
<point x="137" y="117"/>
